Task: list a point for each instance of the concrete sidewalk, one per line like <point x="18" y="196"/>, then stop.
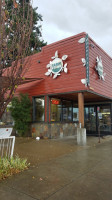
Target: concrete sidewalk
<point x="85" y="174"/>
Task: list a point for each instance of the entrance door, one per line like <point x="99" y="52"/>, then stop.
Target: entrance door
<point x="90" y="119"/>
<point x="104" y="119"/>
<point x="96" y="116"/>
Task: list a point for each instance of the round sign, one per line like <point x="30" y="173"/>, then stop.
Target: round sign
<point x="56" y="65"/>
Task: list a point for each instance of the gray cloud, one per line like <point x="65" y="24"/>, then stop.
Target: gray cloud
<point x="64" y="18"/>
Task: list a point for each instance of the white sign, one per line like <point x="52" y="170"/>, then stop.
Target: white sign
<point x="56" y="66"/>
<point x="100" y="115"/>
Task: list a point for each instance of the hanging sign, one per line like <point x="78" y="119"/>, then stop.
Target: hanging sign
<point x="85" y="60"/>
<point x="56" y="66"/>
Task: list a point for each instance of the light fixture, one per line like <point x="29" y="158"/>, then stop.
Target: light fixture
<point x="84" y="81"/>
<point x="92" y="45"/>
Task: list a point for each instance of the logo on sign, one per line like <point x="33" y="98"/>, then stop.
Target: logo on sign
<point x="56" y="66"/>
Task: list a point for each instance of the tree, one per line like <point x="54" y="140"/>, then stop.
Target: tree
<point x="15" y="34"/>
<point x="21" y="113"/>
<point x="36" y="41"/>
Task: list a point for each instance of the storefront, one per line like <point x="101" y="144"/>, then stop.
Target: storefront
<point x="66" y="111"/>
<point x="75" y="88"/>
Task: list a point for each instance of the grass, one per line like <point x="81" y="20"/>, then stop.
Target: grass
<point x="11" y="166"/>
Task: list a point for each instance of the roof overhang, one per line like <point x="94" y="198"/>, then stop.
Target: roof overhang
<point x="5" y="81"/>
<point x="89" y="96"/>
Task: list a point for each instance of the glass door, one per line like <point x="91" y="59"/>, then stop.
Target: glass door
<point x="104" y="118"/>
<point x="95" y="116"/>
<point x="90" y="118"/>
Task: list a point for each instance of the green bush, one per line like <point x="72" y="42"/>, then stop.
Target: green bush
<point x="21" y="113"/>
<point x="12" y="166"/>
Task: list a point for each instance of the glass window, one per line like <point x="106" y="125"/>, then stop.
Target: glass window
<point x="75" y="113"/>
<point x="39" y="109"/>
<point x="90" y="118"/>
<point x="55" y="110"/>
<point x="63" y="110"/>
<point x="67" y="110"/>
<point x="104" y="118"/>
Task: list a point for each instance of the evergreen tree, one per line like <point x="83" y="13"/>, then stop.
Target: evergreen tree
<point x="36" y="34"/>
<point x="36" y="42"/>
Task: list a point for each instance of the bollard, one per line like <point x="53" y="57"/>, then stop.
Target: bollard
<point x="81" y="136"/>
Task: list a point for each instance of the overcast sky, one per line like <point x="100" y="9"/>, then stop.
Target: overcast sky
<point x="64" y="18"/>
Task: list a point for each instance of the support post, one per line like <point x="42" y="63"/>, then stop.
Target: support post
<point x="81" y="109"/>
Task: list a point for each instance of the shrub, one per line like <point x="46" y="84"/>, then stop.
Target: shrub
<point x="21" y="113"/>
<point x="12" y="166"/>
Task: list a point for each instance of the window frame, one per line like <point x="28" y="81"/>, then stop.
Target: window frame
<point x="34" y="110"/>
<point x="72" y="105"/>
<point x="61" y="109"/>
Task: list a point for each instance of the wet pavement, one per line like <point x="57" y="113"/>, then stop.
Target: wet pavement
<point x="82" y="174"/>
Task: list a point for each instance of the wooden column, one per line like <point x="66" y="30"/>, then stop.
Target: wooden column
<point x="81" y="108"/>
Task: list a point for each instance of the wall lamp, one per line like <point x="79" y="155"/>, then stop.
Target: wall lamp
<point x="92" y="45"/>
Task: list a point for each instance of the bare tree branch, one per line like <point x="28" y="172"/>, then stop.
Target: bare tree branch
<point x="15" y="32"/>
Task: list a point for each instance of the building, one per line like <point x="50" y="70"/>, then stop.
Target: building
<point x="74" y="87"/>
